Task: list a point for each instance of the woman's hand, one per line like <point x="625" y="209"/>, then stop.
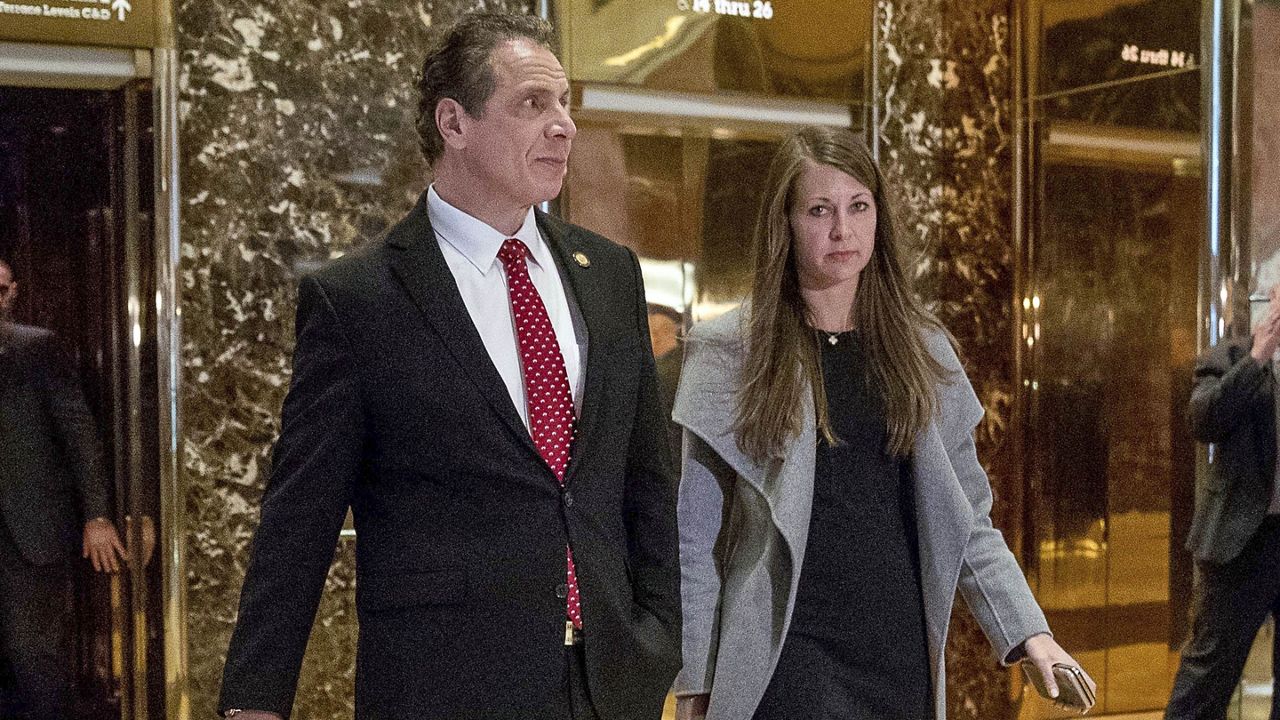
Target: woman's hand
<point x="1043" y="651"/>
<point x="692" y="707"/>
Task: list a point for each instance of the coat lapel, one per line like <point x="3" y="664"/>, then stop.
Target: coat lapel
<point x="944" y="521"/>
<point x="420" y="266"/>
<point x="789" y="489"/>
<point x="589" y="293"/>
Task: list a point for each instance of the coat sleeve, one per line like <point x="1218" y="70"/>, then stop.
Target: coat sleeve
<point x="991" y="582"/>
<point x="76" y="432"/>
<point x="705" y="490"/>
<point x="1227" y="382"/>
<point x="649" y="505"/>
<point x="315" y="465"/>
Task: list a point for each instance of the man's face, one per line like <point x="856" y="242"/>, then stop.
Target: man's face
<point x="663" y="333"/>
<point x="518" y="149"/>
<point x="8" y="291"/>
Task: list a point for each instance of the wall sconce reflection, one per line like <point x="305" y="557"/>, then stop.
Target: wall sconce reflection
<point x="1072" y="548"/>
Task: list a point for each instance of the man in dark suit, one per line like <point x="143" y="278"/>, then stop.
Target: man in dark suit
<point x="1235" y="533"/>
<point x="478" y="387"/>
<point x="666" y="327"/>
<point x="52" y="489"/>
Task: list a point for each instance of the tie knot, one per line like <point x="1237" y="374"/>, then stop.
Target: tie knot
<point x="513" y="251"/>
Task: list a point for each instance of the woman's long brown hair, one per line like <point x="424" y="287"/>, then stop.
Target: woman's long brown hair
<point x="782" y="348"/>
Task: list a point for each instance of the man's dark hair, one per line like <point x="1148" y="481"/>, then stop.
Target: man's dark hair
<point x="666" y="311"/>
<point x="458" y="66"/>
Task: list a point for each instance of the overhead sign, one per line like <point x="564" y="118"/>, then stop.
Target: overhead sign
<point x="1163" y="56"/>
<point x="112" y="23"/>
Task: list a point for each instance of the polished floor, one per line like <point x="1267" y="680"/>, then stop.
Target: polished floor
<point x="1253" y="699"/>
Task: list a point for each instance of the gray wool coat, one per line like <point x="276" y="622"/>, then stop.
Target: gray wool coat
<point x="743" y="529"/>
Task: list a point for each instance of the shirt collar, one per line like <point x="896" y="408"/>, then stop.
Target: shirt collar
<point x="478" y="241"/>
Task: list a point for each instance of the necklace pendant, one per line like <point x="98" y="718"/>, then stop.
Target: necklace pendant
<point x="833" y="339"/>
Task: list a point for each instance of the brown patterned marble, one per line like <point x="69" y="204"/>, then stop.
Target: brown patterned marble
<point x="1264" y="195"/>
<point x="297" y="144"/>
<point x="945" y="143"/>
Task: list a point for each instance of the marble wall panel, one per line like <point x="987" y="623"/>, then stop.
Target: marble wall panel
<point x="946" y="146"/>
<point x="297" y="144"/>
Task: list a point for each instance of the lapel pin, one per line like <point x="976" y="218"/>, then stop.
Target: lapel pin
<point x="582" y="259"/>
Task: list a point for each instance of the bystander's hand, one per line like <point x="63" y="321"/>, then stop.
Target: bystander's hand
<point x="148" y="539"/>
<point x="1266" y="334"/>
<point x="102" y="545"/>
<point x="692" y="707"/>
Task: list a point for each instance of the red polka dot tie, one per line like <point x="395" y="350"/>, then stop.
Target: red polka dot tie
<point x="546" y="383"/>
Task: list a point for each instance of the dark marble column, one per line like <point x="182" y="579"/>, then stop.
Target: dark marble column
<point x="297" y="144"/>
<point x="946" y="146"/>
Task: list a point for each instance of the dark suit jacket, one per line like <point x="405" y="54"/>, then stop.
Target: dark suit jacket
<point x="51" y="477"/>
<point x="1232" y="407"/>
<point x="396" y="410"/>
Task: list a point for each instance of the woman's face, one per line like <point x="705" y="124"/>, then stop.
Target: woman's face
<point x="833" y="223"/>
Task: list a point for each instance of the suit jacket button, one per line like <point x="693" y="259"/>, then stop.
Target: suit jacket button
<point x="562" y="591"/>
<point x="568" y="499"/>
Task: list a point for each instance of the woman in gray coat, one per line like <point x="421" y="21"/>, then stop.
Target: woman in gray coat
<point x="831" y="500"/>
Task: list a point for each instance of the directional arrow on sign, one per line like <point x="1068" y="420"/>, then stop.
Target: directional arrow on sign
<point x="122" y="8"/>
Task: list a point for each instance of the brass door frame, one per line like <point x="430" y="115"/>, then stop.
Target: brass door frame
<point x="171" y="549"/>
<point x="1224" y="264"/>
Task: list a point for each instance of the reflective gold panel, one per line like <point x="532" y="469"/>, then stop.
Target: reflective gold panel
<point x="797" y="48"/>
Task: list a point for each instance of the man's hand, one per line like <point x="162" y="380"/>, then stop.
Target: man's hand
<point x="257" y="715"/>
<point x="1266" y="335"/>
<point x="102" y="545"/>
<point x="692" y="707"/>
<point x="1043" y="651"/>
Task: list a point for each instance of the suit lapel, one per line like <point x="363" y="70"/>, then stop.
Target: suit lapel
<point x="8" y="361"/>
<point x="420" y="266"/>
<point x="588" y="288"/>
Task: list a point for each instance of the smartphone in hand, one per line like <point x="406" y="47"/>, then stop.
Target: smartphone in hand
<point x="1073" y="690"/>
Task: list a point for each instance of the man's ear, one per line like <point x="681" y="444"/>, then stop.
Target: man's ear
<point x="451" y="121"/>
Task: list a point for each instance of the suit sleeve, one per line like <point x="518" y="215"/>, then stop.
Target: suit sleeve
<point x="991" y="581"/>
<point x="315" y="465"/>
<point x="77" y="433"/>
<point x="650" y="509"/>
<point x="1227" y="382"/>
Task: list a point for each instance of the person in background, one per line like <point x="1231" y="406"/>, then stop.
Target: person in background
<point x="54" y="501"/>
<point x="831" y="500"/>
<point x="1235" y="531"/>
<point x="666" y="327"/>
<point x="479" y="388"/>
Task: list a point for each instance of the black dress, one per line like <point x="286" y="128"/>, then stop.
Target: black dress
<point x="856" y="647"/>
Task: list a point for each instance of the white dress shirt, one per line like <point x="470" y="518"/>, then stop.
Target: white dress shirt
<point x="470" y="249"/>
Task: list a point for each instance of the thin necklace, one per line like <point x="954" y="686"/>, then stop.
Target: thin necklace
<point x="833" y="338"/>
